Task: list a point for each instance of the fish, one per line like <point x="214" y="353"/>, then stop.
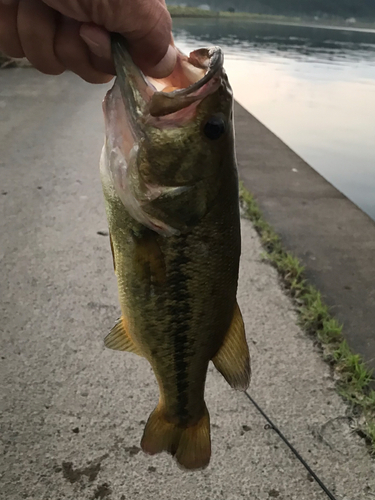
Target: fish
<point x="170" y="184"/>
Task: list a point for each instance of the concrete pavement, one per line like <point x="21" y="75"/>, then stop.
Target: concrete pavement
<point x="72" y="413"/>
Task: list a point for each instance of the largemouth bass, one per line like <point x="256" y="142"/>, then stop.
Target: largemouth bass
<point x="170" y="184"/>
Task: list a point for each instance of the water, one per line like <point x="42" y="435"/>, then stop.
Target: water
<point x="313" y="87"/>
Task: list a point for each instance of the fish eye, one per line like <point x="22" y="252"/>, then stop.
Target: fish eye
<point x="215" y="127"/>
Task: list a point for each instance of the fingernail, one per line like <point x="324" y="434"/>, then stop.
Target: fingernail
<point x="96" y="40"/>
<point x="166" y="65"/>
<point x="92" y="45"/>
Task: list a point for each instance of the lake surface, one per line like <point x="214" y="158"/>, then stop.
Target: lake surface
<point x="313" y="87"/>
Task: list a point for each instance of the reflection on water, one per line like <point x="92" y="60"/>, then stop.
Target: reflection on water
<point x="314" y="88"/>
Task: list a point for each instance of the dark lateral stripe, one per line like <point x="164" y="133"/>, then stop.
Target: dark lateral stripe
<point x="181" y="313"/>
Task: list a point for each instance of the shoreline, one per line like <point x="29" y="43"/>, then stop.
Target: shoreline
<point x="322" y="246"/>
<point x="194" y="13"/>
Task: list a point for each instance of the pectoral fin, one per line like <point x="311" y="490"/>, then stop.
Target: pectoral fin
<point x="233" y="359"/>
<point x="119" y="340"/>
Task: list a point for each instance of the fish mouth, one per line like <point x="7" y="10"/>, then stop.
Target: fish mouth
<point x="149" y="99"/>
<point x="136" y="104"/>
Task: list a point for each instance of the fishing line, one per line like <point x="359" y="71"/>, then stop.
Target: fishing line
<point x="291" y="447"/>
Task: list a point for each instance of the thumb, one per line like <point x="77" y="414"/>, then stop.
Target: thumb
<point x="152" y="47"/>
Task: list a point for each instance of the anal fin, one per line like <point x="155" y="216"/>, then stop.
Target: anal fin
<point x="233" y="358"/>
<point x="119" y="340"/>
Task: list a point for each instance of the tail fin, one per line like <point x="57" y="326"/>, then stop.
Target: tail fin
<point x="191" y="446"/>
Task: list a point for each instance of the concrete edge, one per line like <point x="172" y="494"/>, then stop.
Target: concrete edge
<point x="330" y="235"/>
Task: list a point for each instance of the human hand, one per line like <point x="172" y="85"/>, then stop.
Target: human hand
<point x="55" y="35"/>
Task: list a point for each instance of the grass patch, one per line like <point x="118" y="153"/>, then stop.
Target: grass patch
<point x="10" y="62"/>
<point x="354" y="378"/>
<point x="5" y="61"/>
<point x="179" y="11"/>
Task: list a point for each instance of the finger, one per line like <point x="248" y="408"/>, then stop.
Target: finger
<point x="79" y="10"/>
<point x="98" y="41"/>
<point x="151" y="41"/>
<point x="146" y="24"/>
<point x="37" y="26"/>
<point x="74" y="54"/>
<point x="102" y="65"/>
<point x="9" y="40"/>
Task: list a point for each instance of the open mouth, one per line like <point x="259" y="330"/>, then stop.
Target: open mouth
<point x="136" y="103"/>
<point x="193" y="78"/>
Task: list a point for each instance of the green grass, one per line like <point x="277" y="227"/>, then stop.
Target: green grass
<point x="354" y="377"/>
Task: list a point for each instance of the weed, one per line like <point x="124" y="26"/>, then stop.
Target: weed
<point x="314" y="317"/>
